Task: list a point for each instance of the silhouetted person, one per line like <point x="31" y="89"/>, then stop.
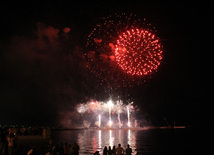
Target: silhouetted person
<point x="97" y="153"/>
<point x="109" y="150"/>
<point x="75" y="149"/>
<point x="70" y="149"/>
<point x="119" y="150"/>
<point x="10" y="141"/>
<point x="128" y="150"/>
<point x="105" y="151"/>
<point x="65" y="148"/>
<point x="113" y="150"/>
<point x="3" y="142"/>
<point x="61" y="149"/>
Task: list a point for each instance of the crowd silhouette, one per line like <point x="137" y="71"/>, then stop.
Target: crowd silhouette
<point x="115" y="151"/>
<point x="9" y="146"/>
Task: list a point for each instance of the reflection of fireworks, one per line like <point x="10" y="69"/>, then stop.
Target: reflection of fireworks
<point x="123" y="46"/>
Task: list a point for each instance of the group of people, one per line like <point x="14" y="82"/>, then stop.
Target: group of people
<point x="9" y="145"/>
<point x="64" y="149"/>
<point x="117" y="151"/>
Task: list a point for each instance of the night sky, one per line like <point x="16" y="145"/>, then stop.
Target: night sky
<point x="42" y="71"/>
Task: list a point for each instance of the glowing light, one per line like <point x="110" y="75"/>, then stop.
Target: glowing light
<point x="111" y="139"/>
<point x="119" y="107"/>
<point x="66" y="29"/>
<point x="129" y="136"/>
<point x="99" y="121"/>
<point x="128" y="114"/>
<point x="119" y="121"/>
<point x="101" y="110"/>
<point x="110" y="123"/>
<point x="92" y="102"/>
<point x="129" y="124"/>
<point x="100" y="138"/>
<point x="110" y="104"/>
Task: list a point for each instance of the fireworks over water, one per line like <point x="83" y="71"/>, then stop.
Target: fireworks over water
<point x="121" y="51"/>
<point x="107" y="114"/>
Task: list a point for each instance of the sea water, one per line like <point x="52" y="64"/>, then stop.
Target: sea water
<point x="147" y="142"/>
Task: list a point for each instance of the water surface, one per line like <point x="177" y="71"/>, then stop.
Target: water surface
<point x="152" y="141"/>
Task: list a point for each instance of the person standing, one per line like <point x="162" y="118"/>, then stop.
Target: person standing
<point x="109" y="150"/>
<point x="105" y="151"/>
<point x="70" y="149"/>
<point x="114" y="150"/>
<point x="10" y="140"/>
<point x="128" y="150"/>
<point x="75" y="149"/>
<point x="65" y="148"/>
<point x="119" y="150"/>
<point x="3" y="141"/>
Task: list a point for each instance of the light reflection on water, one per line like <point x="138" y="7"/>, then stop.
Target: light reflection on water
<point x="147" y="142"/>
<point x="95" y="140"/>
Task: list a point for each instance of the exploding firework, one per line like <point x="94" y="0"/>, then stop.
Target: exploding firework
<point x="122" y="50"/>
<point x="104" y="113"/>
<point x="138" y="52"/>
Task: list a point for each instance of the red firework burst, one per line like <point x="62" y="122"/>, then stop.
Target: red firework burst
<point x="123" y="46"/>
<point x="138" y="52"/>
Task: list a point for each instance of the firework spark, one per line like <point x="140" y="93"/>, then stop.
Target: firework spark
<point x="138" y="52"/>
<point x="123" y="46"/>
<point x="99" y="109"/>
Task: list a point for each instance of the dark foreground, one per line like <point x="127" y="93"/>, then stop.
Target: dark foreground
<point x="146" y="142"/>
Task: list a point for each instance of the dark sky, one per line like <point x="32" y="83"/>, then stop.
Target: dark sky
<point x="42" y="74"/>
